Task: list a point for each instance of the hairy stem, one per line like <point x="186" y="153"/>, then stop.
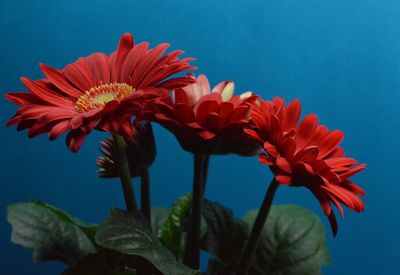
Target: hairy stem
<point x="124" y="173"/>
<point x="192" y="250"/>
<point x="257" y="229"/>
<point x="205" y="164"/>
<point x="145" y="194"/>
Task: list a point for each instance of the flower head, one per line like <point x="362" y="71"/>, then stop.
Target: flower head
<point x="98" y="91"/>
<point x="206" y="121"/>
<point x="140" y="148"/>
<point x="306" y="154"/>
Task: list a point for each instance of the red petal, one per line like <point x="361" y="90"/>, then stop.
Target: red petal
<point x="320" y="133"/>
<point x="180" y="97"/>
<point x="306" y="129"/>
<point x="74" y="140"/>
<point x="322" y="198"/>
<point x="283" y="164"/>
<point x="352" y="187"/>
<point x="14" y="120"/>
<point x="307" y="155"/>
<point x="80" y="74"/>
<point x="148" y="62"/>
<point x="175" y="83"/>
<point x="59" y="80"/>
<point x="129" y="72"/>
<point x="271" y="150"/>
<point x="304" y="168"/>
<point x="48" y="96"/>
<point x="333" y="223"/>
<point x="283" y="179"/>
<point x="253" y="134"/>
<point x="76" y="122"/>
<point x="212" y="122"/>
<point x="337" y="204"/>
<point x="118" y="58"/>
<point x="352" y="171"/>
<point x="264" y="159"/>
<point x="330" y="142"/>
<point x="99" y="66"/>
<point x="348" y="198"/>
<point x="340" y="161"/>
<point x="292" y="115"/>
<point x="239" y="113"/>
<point x="204" y="108"/>
<point x="206" y="135"/>
<point x="126" y="128"/>
<point x="22" y="98"/>
<point x="59" y="129"/>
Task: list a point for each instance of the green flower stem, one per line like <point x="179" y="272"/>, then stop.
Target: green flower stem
<point x="206" y="162"/>
<point x="192" y="250"/>
<point x="124" y="174"/>
<point x="121" y="159"/>
<point x="257" y="228"/>
<point x="145" y="194"/>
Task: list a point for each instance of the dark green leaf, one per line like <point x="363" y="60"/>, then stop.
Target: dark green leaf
<point x="171" y="233"/>
<point x="158" y="218"/>
<point x="129" y="234"/>
<point x="225" y="237"/>
<point x="101" y="263"/>
<point x="50" y="232"/>
<point x="292" y="242"/>
<point x="89" y="229"/>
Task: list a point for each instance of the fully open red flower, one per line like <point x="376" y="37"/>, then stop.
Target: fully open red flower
<point x="206" y="121"/>
<point x="99" y="91"/>
<point x="306" y="154"/>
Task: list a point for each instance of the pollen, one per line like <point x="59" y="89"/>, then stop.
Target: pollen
<point x="99" y="96"/>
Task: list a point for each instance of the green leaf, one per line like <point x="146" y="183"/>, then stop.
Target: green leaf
<point x="101" y="263"/>
<point x="292" y="242"/>
<point x="225" y="237"/>
<point x="158" y="218"/>
<point x="89" y="229"/>
<point x="128" y="233"/>
<point x="50" y="232"/>
<point x="171" y="233"/>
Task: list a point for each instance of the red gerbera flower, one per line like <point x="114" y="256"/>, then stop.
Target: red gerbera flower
<point x="306" y="154"/>
<point x="99" y="91"/>
<point x="206" y="121"/>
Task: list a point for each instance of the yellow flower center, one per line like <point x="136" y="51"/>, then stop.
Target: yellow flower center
<point x="99" y="96"/>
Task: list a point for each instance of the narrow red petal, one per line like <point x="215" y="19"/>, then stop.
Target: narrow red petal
<point x="48" y="96"/>
<point x="59" y="129"/>
<point x="117" y="61"/>
<point x="99" y="66"/>
<point x="333" y="223"/>
<point x="59" y="80"/>
<point x="74" y="140"/>
<point x="80" y="75"/>
<point x="22" y="98"/>
<point x="330" y="142"/>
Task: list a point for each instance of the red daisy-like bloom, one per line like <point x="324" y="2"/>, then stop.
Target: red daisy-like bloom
<point x="306" y="154"/>
<point x="206" y="121"/>
<point x="99" y="91"/>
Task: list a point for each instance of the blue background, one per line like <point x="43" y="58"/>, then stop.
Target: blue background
<point x="341" y="58"/>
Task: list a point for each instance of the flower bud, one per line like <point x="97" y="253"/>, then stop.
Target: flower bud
<point x="141" y="152"/>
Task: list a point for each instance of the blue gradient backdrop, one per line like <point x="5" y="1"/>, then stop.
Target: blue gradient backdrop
<point x="339" y="57"/>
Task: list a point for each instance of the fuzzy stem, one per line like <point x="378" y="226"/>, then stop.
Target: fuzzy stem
<point x="145" y="193"/>
<point x="192" y="249"/>
<point x="257" y="229"/>
<point x="205" y="164"/>
<point x="124" y="173"/>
